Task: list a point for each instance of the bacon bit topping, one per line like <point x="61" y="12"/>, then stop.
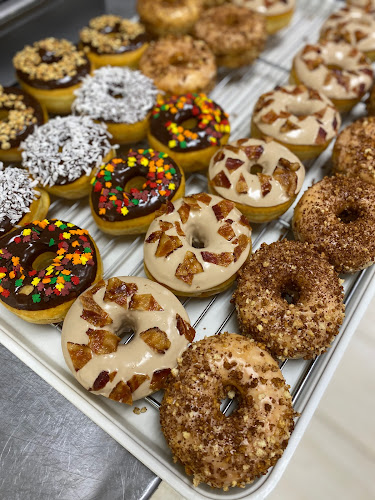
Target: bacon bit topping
<point x="167" y="245"/>
<point x="233" y="163"/>
<point x="226" y="231"/>
<point x="241" y="186"/>
<point x="165" y="226"/>
<point x="156" y="339"/>
<point x="287" y="178"/>
<point x="294" y="166"/>
<point x="310" y="48"/>
<point x="101" y="381"/>
<point x="122" y="393"/>
<point x="243" y="241"/>
<point x="102" y="341"/>
<point x="159" y="378"/>
<point x="155" y="236"/>
<point x="219" y="156"/>
<point x="313" y="64"/>
<point x="230" y="147"/>
<point x="244" y="222"/>
<point x="265" y="184"/>
<point x="367" y="71"/>
<point x="188" y="268"/>
<point x="166" y="208"/>
<point x="184" y="211"/>
<point x="144" y="302"/>
<point x="334" y="123"/>
<point x="253" y="152"/>
<point x="118" y="291"/>
<point x="192" y="202"/>
<point x="92" y="312"/>
<point x="185" y="328"/>
<point x="321" y="137"/>
<point x="314" y="95"/>
<point x="343" y="80"/>
<point x="288" y="126"/>
<point x="320" y="114"/>
<point x="179" y="229"/>
<point x="203" y="197"/>
<point x="223" y="259"/>
<point x="79" y="354"/>
<point x="222" y="209"/>
<point x="221" y="180"/>
<point x="136" y="381"/>
<point x="269" y="117"/>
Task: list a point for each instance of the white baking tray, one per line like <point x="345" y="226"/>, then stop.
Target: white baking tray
<point x="39" y="345"/>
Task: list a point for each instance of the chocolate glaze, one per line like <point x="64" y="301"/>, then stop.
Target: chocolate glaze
<point x="6" y="225"/>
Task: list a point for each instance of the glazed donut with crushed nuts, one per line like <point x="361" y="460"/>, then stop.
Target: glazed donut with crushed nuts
<point x="340" y="71"/>
<point x="127" y="192"/>
<point x="302" y="119"/>
<point x="112" y="40"/>
<point x="51" y="70"/>
<point x="21" y="114"/>
<point x="278" y="13"/>
<point x="92" y="333"/>
<point x="337" y="216"/>
<point x="63" y="154"/>
<point x="196" y="245"/>
<point x="234" y="34"/>
<point x="44" y="266"/>
<point x="178" y="65"/>
<point x="289" y="298"/>
<point x="262" y="178"/>
<point x="222" y="451"/>
<point x="190" y="128"/>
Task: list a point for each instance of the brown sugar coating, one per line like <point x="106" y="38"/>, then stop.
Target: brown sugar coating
<point x="354" y="150"/>
<point x="289" y="298"/>
<point x="337" y="216"/>
<point x="218" y="450"/>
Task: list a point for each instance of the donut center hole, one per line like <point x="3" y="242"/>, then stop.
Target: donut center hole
<point x="256" y="169"/>
<point x="189" y="124"/>
<point x="48" y="56"/>
<point x="197" y="239"/>
<point x="230" y="402"/>
<point x="111" y="31"/>
<point x="135" y="183"/>
<point x="4" y="115"/>
<point x="349" y="214"/>
<point x="291" y="293"/>
<point x="179" y="59"/>
<point x="43" y="260"/>
<point x="126" y="334"/>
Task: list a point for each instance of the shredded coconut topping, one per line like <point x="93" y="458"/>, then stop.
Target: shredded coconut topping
<point x="16" y="194"/>
<point x="115" y="94"/>
<point x="64" y="149"/>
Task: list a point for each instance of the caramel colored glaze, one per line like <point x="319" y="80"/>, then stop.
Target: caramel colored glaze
<point x="226" y="451"/>
<point x="349" y="245"/>
<point x="303" y="328"/>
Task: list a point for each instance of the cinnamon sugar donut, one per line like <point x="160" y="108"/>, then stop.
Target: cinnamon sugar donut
<point x="226" y="451"/>
<point x="262" y="178"/>
<point x="179" y="65"/>
<point x="235" y="35"/>
<point x="291" y="299"/>
<point x="340" y="71"/>
<point x="302" y="119"/>
<point x="278" y="12"/>
<point x="337" y="216"/>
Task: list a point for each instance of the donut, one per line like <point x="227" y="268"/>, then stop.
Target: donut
<point x="278" y="13"/>
<point x="226" y="451"/>
<point x="370" y="104"/>
<point x="63" y="154"/>
<point x="190" y="128"/>
<point x="196" y="245"/>
<point x="338" y="70"/>
<point x="289" y="298"/>
<point x="366" y="5"/>
<point x="51" y="70"/>
<point x="127" y="192"/>
<point x="20" y="200"/>
<point x="178" y="65"/>
<point x="114" y="41"/>
<point x="212" y="3"/>
<point x="165" y="17"/>
<point x="337" y="216"/>
<point x="44" y="266"/>
<point x="110" y="310"/>
<point x="300" y="118"/>
<point x="261" y="178"/>
<point x="119" y="97"/>
<point x="20" y="113"/>
<point x="234" y="34"/>
<point x="353" y="26"/>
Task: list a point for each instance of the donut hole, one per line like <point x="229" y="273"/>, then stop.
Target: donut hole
<point x="4" y="115"/>
<point x="349" y="214"/>
<point x="179" y="59"/>
<point x="229" y="400"/>
<point x="136" y="182"/>
<point x="197" y="238"/>
<point x="49" y="57"/>
<point x="291" y="292"/>
<point x="256" y="169"/>
<point x="116" y="93"/>
<point x="126" y="334"/>
<point x="43" y="260"/>
<point x="189" y="124"/>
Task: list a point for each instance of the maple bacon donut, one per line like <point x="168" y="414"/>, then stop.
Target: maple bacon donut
<point x="44" y="266"/>
<point x="92" y="331"/>
<point x="278" y="12"/>
<point x="262" y="179"/>
<point x="300" y="118"/>
<point x="222" y="451"/>
<point x="196" y="245"/>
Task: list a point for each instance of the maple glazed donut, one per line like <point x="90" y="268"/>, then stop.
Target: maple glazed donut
<point x="190" y="128"/>
<point x="218" y="450"/>
<point x="98" y="319"/>
<point x="63" y="154"/>
<point x="112" y="40"/>
<point x="263" y="179"/>
<point x="178" y="65"/>
<point x="51" y="70"/>
<point x="127" y="192"/>
<point x="301" y="119"/>
<point x="119" y="97"/>
<point x="20" y="113"/>
<point x="278" y="13"/>
<point x="338" y="70"/>
<point x="44" y="266"/>
<point x="196" y="245"/>
<point x="337" y="216"/>
<point x="234" y="34"/>
<point x="289" y="298"/>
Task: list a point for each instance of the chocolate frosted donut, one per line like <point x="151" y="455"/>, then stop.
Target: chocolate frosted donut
<point x="337" y="216"/>
<point x="289" y="298"/>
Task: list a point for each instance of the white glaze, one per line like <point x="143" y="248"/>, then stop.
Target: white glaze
<point x="267" y="7"/>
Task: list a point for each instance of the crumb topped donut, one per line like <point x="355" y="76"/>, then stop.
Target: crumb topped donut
<point x="262" y="178"/>
<point x="291" y="299"/>
<point x="119" y="97"/>
<point x="196" y="245"/>
<point x="112" y="40"/>
<point x="50" y="70"/>
<point x="340" y="71"/>
<point x="178" y="65"/>
<point x="218" y="450"/>
<point x="20" y="113"/>
<point x="236" y="35"/>
<point x="92" y="331"/>
<point x="63" y="154"/>
<point x="337" y="216"/>
<point x="300" y="118"/>
<point x="278" y="12"/>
